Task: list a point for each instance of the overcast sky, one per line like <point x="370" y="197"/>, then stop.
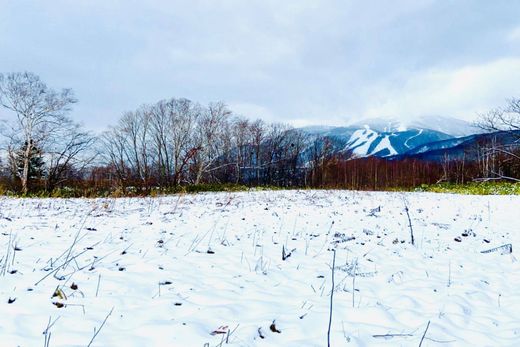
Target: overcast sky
<point x="301" y="61"/>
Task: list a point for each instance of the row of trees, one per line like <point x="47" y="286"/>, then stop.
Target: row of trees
<point x="178" y="142"/>
<point x="484" y="162"/>
<point x="167" y="144"/>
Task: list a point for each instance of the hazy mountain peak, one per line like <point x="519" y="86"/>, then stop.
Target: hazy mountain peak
<point x="378" y="124"/>
<point x="447" y="125"/>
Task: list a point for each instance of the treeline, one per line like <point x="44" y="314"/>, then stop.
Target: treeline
<point x="162" y="146"/>
<point x="176" y="143"/>
<point x="482" y="163"/>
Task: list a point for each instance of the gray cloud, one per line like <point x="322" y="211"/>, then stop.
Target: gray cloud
<point x="300" y="61"/>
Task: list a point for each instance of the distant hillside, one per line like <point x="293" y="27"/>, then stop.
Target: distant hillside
<point x="385" y="138"/>
<point x="458" y="148"/>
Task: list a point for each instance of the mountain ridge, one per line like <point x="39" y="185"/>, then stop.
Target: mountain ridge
<point x="387" y="137"/>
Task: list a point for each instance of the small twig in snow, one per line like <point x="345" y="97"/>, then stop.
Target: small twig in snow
<point x="409" y="222"/>
<point x="100" y="327"/>
<point x="97" y="288"/>
<point x="425" y="331"/>
<point x="331" y="297"/>
<point x="391" y="335"/>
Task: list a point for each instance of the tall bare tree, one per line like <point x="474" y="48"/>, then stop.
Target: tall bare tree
<point x="70" y="152"/>
<point x="503" y="157"/>
<point x="241" y="135"/>
<point x="114" y="152"/>
<point x="210" y="138"/>
<point x="258" y="130"/>
<point x="39" y="111"/>
<point x="173" y="123"/>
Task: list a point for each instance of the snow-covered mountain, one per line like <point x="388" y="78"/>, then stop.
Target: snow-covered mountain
<point x="389" y="137"/>
<point x="392" y="139"/>
<point x="366" y="141"/>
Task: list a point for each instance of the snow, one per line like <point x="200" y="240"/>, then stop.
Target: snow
<point x="360" y="141"/>
<point x="126" y="248"/>
<point x="385" y="144"/>
<point x="419" y="133"/>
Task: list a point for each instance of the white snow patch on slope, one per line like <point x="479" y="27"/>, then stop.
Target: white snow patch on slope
<point x="385" y="144"/>
<point x="360" y="141"/>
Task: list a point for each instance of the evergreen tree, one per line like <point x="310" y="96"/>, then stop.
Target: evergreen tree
<point x="36" y="163"/>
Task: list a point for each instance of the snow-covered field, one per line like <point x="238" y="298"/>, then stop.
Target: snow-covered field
<point x="173" y="270"/>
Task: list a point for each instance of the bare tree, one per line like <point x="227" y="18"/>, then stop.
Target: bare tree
<point x="72" y="150"/>
<point x="240" y="129"/>
<point x="321" y="154"/>
<point x="210" y="139"/>
<point x="136" y="127"/>
<point x="128" y="148"/>
<point x="153" y="144"/>
<point x="275" y="150"/>
<point x="175" y="121"/>
<point x="258" y="130"/>
<point x="160" y="123"/>
<point x="114" y="153"/>
<point x="502" y="156"/>
<point x="502" y="119"/>
<point x="297" y="141"/>
<point x="39" y="113"/>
